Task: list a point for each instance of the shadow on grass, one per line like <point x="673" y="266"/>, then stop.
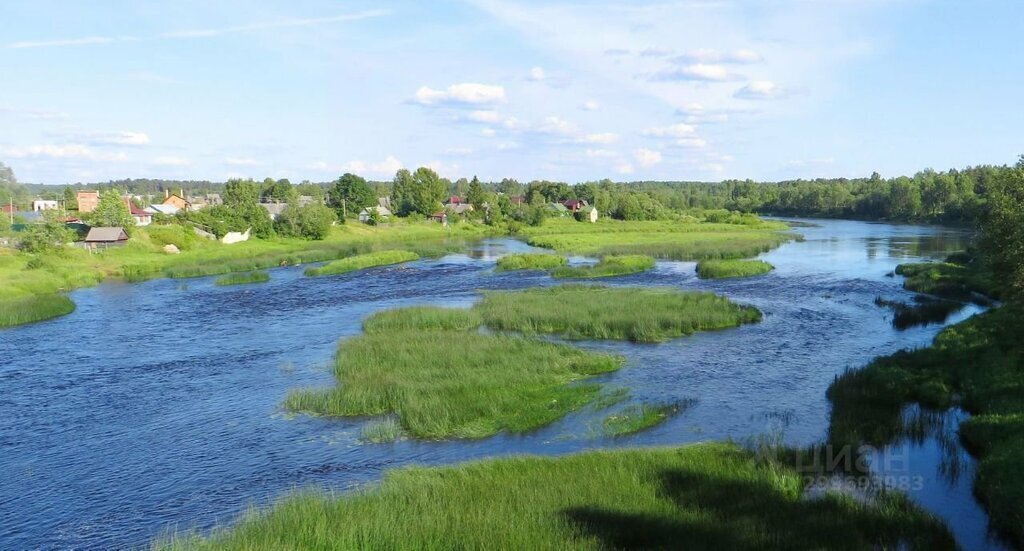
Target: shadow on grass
<point x="721" y="513"/>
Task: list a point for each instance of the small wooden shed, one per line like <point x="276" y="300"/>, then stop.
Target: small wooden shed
<point x="102" y="238"/>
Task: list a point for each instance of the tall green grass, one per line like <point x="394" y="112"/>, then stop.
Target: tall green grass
<point x="609" y="266"/>
<point x="720" y="269"/>
<point x="422" y="318"/>
<point x="530" y="261"/>
<point x="638" y="417"/>
<point x="444" y="384"/>
<point x="594" y="312"/>
<point x="701" y="496"/>
<point x="977" y="364"/>
<point x="948" y="280"/>
<point x="667" y="240"/>
<point x="363" y="261"/>
<point x="30" y="309"/>
<point x="243" y="278"/>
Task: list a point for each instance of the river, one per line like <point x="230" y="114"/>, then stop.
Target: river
<point x="156" y="406"/>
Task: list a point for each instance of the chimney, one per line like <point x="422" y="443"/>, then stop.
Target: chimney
<point x="167" y="194"/>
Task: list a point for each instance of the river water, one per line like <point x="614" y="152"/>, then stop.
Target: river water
<point x="156" y="406"/>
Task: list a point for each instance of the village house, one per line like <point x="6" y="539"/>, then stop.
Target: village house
<point x="44" y="204"/>
<point x="558" y="209"/>
<point x="574" y="205"/>
<point x="142" y="217"/>
<point x="367" y="213"/>
<point x="8" y="209"/>
<point x="441" y="217"/>
<point x="587" y="214"/>
<point x="103" y="238"/>
<point x="462" y="209"/>
<point x="176" y="200"/>
<point x="274" y="209"/>
<point x="87" y="200"/>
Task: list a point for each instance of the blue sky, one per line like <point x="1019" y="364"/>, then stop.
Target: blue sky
<point x="688" y="90"/>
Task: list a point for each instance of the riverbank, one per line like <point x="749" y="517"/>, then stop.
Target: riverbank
<point x="25" y="275"/>
<point x="976" y="365"/>
<point x="710" y="496"/>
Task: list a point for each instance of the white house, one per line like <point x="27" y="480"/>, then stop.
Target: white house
<point x="44" y="204"/>
<point x="383" y="212"/>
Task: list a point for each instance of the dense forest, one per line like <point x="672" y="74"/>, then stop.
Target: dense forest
<point x="951" y="197"/>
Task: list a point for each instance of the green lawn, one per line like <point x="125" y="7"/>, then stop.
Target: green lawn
<point x="703" y="496"/>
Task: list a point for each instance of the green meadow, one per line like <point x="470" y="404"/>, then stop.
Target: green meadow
<point x="363" y="261"/>
<point x="720" y="269"/>
<point x="609" y="266"/>
<point x="625" y="313"/>
<point x="703" y="496"/>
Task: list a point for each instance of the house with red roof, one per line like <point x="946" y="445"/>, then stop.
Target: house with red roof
<point x="141" y="217"/>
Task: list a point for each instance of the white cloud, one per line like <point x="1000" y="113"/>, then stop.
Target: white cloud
<point x="760" y="89"/>
<point x="680" y="130"/>
<point x="624" y="168"/>
<point x="241" y="161"/>
<point x="706" y="72"/>
<point x="694" y="143"/>
<point x="508" y="146"/>
<point x="442" y="169"/>
<point x="171" y="161"/>
<point x="590" y="105"/>
<point x="601" y="154"/>
<point x="556" y="125"/>
<point x="66" y="151"/>
<point x="536" y="74"/>
<point x="715" y="56"/>
<point x="488" y="117"/>
<point x="488" y="132"/>
<point x="387" y="167"/>
<point x="205" y="33"/>
<point x="124" y="138"/>
<point x="655" y="52"/>
<point x="466" y="93"/>
<point x="647" y="157"/>
<point x="599" y="138"/>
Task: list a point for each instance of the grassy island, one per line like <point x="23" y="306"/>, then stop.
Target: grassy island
<point x="443" y="382"/>
<point x="609" y="266"/>
<point x="594" y="312"/>
<point x="33" y="308"/>
<point x="673" y="240"/>
<point x="710" y="496"/>
<point x="530" y="261"/>
<point x="363" y="261"/>
<point x="243" y="278"/>
<point x="720" y="269"/>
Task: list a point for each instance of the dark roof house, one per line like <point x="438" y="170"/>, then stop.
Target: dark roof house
<point x="106" y="237"/>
